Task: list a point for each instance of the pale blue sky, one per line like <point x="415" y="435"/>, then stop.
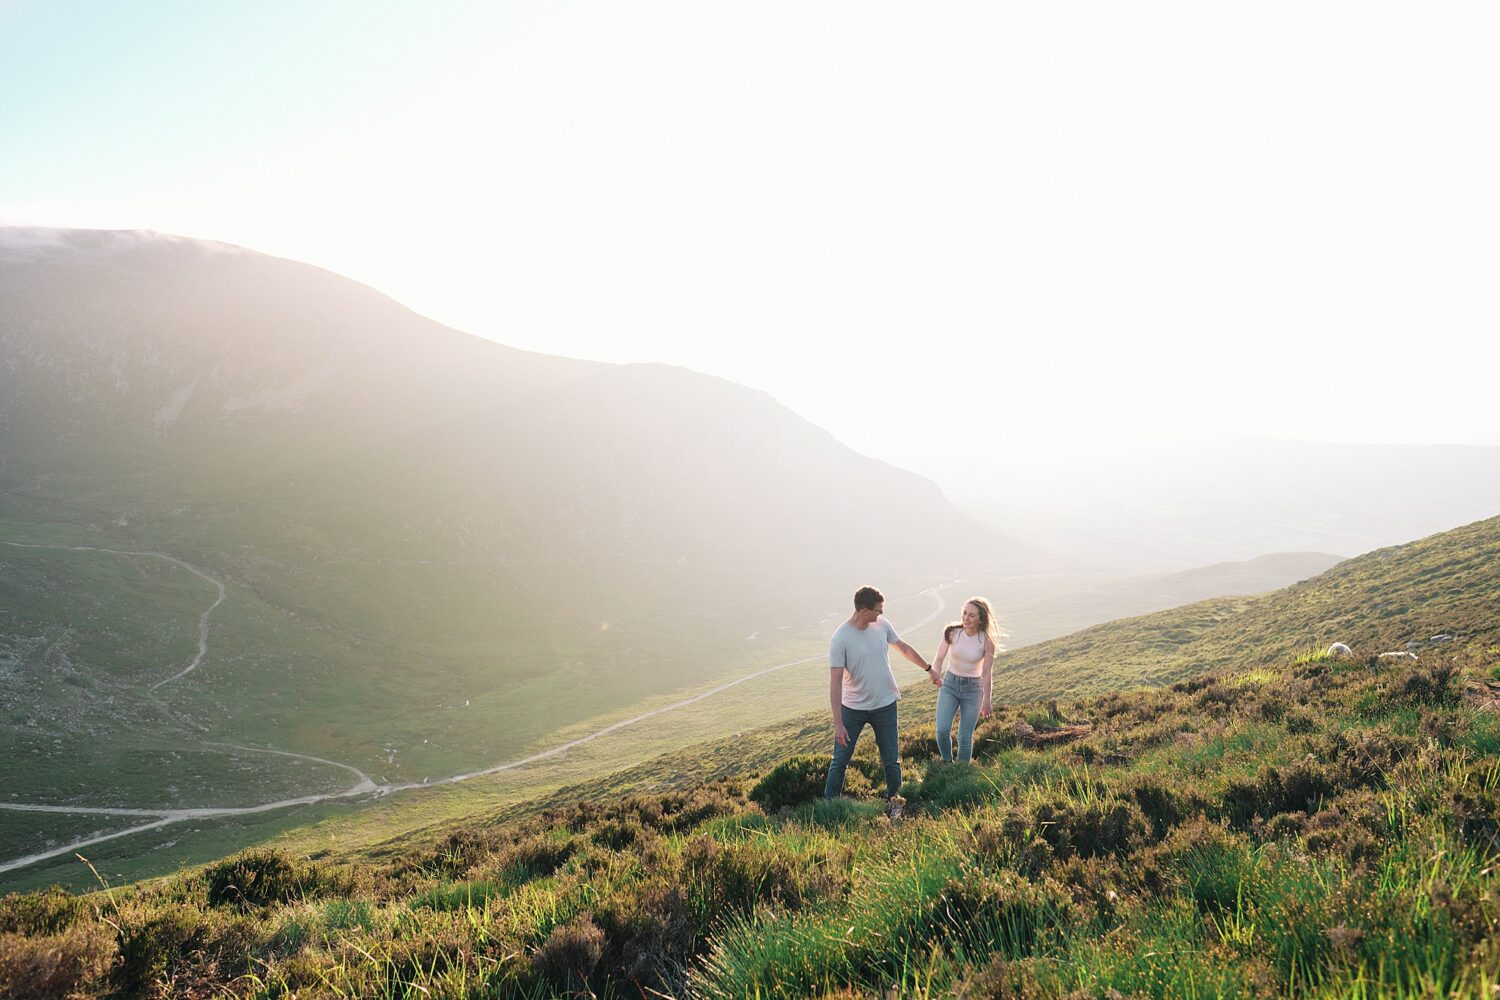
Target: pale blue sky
<point x="1034" y="225"/>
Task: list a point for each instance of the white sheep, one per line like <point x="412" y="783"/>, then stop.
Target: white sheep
<point x="1398" y="655"/>
<point x="1339" y="650"/>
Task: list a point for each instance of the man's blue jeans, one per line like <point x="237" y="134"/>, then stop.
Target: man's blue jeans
<point x="960" y="696"/>
<point x="883" y="721"/>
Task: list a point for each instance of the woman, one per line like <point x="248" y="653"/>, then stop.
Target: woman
<point x="966" y="685"/>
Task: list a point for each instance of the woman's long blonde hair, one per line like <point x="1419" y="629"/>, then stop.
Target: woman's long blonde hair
<point x="987" y="624"/>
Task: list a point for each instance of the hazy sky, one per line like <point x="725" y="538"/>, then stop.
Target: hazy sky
<point x="952" y="234"/>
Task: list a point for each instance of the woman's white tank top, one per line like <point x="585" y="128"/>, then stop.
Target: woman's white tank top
<point x="966" y="653"/>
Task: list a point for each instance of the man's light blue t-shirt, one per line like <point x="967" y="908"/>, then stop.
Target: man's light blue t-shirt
<point x="865" y="656"/>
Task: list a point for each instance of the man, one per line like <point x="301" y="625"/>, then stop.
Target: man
<point x="862" y="688"/>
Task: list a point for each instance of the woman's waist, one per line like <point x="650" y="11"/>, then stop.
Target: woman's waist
<point x="972" y="671"/>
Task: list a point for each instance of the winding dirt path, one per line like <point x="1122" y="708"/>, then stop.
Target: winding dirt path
<point x="202" y="619"/>
<point x="365" y="786"/>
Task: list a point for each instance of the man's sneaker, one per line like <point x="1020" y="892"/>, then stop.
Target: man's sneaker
<point x="894" y="805"/>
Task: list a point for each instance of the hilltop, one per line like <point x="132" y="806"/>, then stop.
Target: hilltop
<point x="1278" y="822"/>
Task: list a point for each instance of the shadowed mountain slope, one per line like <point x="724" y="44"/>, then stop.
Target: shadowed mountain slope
<point x="145" y="371"/>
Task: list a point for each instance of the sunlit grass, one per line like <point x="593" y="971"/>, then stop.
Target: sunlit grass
<point x="1321" y="835"/>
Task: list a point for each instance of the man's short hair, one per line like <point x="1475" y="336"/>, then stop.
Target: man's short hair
<point x="866" y="598"/>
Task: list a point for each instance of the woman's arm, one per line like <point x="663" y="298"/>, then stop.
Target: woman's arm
<point x="987" y="672"/>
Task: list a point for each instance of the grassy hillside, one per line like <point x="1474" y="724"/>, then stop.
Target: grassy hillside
<point x="1282" y="823"/>
<point x="1446" y="583"/>
<point x="1314" y="828"/>
<point x="1035" y="609"/>
<point x="144" y="744"/>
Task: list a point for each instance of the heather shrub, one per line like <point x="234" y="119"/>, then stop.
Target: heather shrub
<point x="1271" y="707"/>
<point x="1090" y="890"/>
<point x="591" y="860"/>
<point x="1350" y="829"/>
<point x="1435" y="685"/>
<point x="1102" y="826"/>
<point x="56" y="964"/>
<point x="49" y="911"/>
<point x="1441" y="726"/>
<point x="1364" y="755"/>
<point x="1001" y="979"/>
<point x="1193" y="685"/>
<point x="663" y="812"/>
<point x="648" y="935"/>
<point x="1009" y="841"/>
<point x="1273" y="790"/>
<point x="858" y="783"/>
<point x="1002" y="912"/>
<point x="683" y="810"/>
<point x="1299" y="722"/>
<point x="994" y="736"/>
<point x="455" y="854"/>
<point x="619" y="834"/>
<point x="1162" y="806"/>
<point x="1210" y="863"/>
<point x="258" y="878"/>
<point x="735" y="878"/>
<point x="915" y="746"/>
<point x="531" y="858"/>
<point x="571" y="952"/>
<point x="792" y="782"/>
<point x="151" y="942"/>
<point x="1474" y="812"/>
<point x="1109" y="705"/>
<point x="1215" y="696"/>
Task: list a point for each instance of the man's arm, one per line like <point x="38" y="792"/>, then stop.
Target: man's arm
<point x="916" y="657"/>
<point x="836" y="702"/>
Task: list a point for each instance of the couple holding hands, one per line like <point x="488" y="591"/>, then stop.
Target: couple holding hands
<point x="862" y="687"/>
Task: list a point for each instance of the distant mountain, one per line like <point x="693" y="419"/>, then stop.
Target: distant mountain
<point x="408" y="520"/>
<point x="141" y="367"/>
<point x="1173" y="508"/>
<point x="1036" y="609"/>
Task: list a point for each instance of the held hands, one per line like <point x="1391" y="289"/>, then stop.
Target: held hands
<point x="935" y="677"/>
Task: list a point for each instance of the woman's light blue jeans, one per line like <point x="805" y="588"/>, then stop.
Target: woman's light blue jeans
<point x="959" y="696"/>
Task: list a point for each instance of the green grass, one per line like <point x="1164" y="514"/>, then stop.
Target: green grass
<point x="1281" y="825"/>
<point x="84" y="634"/>
<point x="1032" y="872"/>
